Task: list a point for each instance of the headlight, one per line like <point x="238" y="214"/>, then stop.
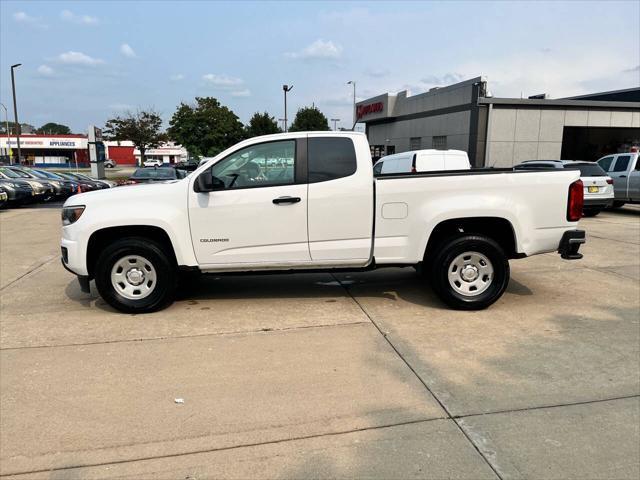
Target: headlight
<point x="55" y="183"/>
<point x="71" y="214"/>
<point x="35" y="185"/>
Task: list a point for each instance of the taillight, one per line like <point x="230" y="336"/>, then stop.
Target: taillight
<point x="576" y="201"/>
<point x="610" y="181"/>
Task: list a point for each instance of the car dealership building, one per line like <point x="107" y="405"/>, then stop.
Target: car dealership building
<point x="502" y="132"/>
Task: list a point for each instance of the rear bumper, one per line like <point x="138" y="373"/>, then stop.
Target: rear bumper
<point x="598" y="202"/>
<point x="570" y="244"/>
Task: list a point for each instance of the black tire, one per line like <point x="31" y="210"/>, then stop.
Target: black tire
<point x="163" y="292"/>
<point x="591" y="212"/>
<point x="445" y="254"/>
<point x="617" y="204"/>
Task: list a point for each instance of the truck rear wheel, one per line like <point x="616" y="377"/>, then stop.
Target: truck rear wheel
<point x="135" y="275"/>
<point x="469" y="272"/>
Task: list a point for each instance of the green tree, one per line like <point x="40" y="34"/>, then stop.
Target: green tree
<point x="52" y="128"/>
<point x="24" y="128"/>
<point x="262" y="124"/>
<point x="143" y="128"/>
<point x="309" y="119"/>
<point x="206" y="128"/>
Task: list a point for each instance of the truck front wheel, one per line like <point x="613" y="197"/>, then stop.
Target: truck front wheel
<point x="135" y="275"/>
<point x="469" y="272"/>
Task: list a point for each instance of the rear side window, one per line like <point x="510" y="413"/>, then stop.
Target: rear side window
<point x="622" y="163"/>
<point x="588" y="169"/>
<point x="605" y="163"/>
<point x="330" y="158"/>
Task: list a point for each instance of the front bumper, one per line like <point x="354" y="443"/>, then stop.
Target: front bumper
<point x="570" y="244"/>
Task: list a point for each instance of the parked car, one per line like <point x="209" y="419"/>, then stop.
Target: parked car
<point x="109" y="163"/>
<point x="153" y="162"/>
<point x="327" y="212"/>
<point x="87" y="183"/>
<point x="62" y="188"/>
<point x="598" y="186"/>
<point x="67" y="187"/>
<point x="188" y="166"/>
<point x="18" y="191"/>
<point x="422" y="161"/>
<point x="624" y="169"/>
<point x="4" y="198"/>
<point x="103" y="182"/>
<point x="155" y="174"/>
<point x="42" y="189"/>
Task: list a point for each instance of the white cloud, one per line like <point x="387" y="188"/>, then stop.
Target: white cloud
<point x="177" y="77"/>
<point x="45" y="70"/>
<point x="241" y="93"/>
<point x="22" y="17"/>
<point x="69" y="16"/>
<point x="78" y="58"/>
<point x="223" y="81"/>
<point x="318" y="50"/>
<point x="127" y="51"/>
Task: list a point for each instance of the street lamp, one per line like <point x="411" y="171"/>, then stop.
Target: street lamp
<point x="352" y="82"/>
<point x="282" y="120"/>
<point x="6" y="122"/>
<point x="335" y="121"/>
<point x="15" y="111"/>
<point x="286" y="88"/>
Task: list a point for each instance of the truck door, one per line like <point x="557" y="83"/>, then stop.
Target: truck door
<point x="340" y="200"/>
<point x="260" y="216"/>
<point x="619" y="174"/>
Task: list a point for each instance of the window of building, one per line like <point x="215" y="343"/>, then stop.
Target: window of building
<point x="377" y="151"/>
<point x="391" y="149"/>
<point x="440" y="142"/>
<point x="330" y="158"/>
<point x="415" y="143"/>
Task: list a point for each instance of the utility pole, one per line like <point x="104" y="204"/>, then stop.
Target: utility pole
<point x="286" y="89"/>
<point x="335" y="121"/>
<point x="352" y="82"/>
<point x="15" y="111"/>
<point x="6" y="123"/>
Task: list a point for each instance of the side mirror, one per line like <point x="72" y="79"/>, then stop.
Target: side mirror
<point x="206" y="182"/>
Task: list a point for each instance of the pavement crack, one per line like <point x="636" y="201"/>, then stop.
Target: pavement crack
<point x="222" y="449"/>
<point x="265" y="330"/>
<point x="476" y="447"/>
<point x="34" y="269"/>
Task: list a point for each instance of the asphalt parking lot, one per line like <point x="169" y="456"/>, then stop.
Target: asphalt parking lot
<point x="319" y="375"/>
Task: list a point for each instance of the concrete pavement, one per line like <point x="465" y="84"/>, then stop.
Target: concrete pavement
<point x="316" y="375"/>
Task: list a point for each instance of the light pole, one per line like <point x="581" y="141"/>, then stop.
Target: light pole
<point x="282" y="120"/>
<point x="352" y="82"/>
<point x="15" y="110"/>
<point x="286" y="88"/>
<point x="6" y="123"/>
<point x="335" y="121"/>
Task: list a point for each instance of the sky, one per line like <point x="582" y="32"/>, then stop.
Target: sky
<point x="86" y="62"/>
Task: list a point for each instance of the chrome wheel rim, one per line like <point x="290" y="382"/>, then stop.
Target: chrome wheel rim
<point x="133" y="277"/>
<point x="470" y="274"/>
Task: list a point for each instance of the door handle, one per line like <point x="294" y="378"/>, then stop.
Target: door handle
<point x="622" y="176"/>
<point x="286" y="200"/>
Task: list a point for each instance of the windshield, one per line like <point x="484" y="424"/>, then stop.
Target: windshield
<point x="9" y="173"/>
<point x="587" y="169"/>
<point x="155" y="173"/>
<point x="43" y="174"/>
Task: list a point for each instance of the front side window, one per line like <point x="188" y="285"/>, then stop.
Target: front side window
<point x="605" y="163"/>
<point x="330" y="158"/>
<point x="622" y="163"/>
<point x="261" y="165"/>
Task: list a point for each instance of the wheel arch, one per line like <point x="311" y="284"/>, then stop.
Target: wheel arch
<point x="102" y="237"/>
<point x="499" y="229"/>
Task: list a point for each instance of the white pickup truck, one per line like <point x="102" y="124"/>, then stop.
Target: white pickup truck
<point x="309" y="201"/>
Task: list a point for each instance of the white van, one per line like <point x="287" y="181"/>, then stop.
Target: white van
<point x="422" y="161"/>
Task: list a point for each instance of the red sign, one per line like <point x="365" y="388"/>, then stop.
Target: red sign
<point x="363" y="110"/>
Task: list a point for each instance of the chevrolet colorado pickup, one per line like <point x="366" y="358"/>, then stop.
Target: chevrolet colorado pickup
<point x="309" y="201"/>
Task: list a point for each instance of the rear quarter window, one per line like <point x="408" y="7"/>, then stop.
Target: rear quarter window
<point x="330" y="158"/>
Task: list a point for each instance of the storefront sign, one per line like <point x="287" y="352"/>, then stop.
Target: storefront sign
<point x="363" y="110"/>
